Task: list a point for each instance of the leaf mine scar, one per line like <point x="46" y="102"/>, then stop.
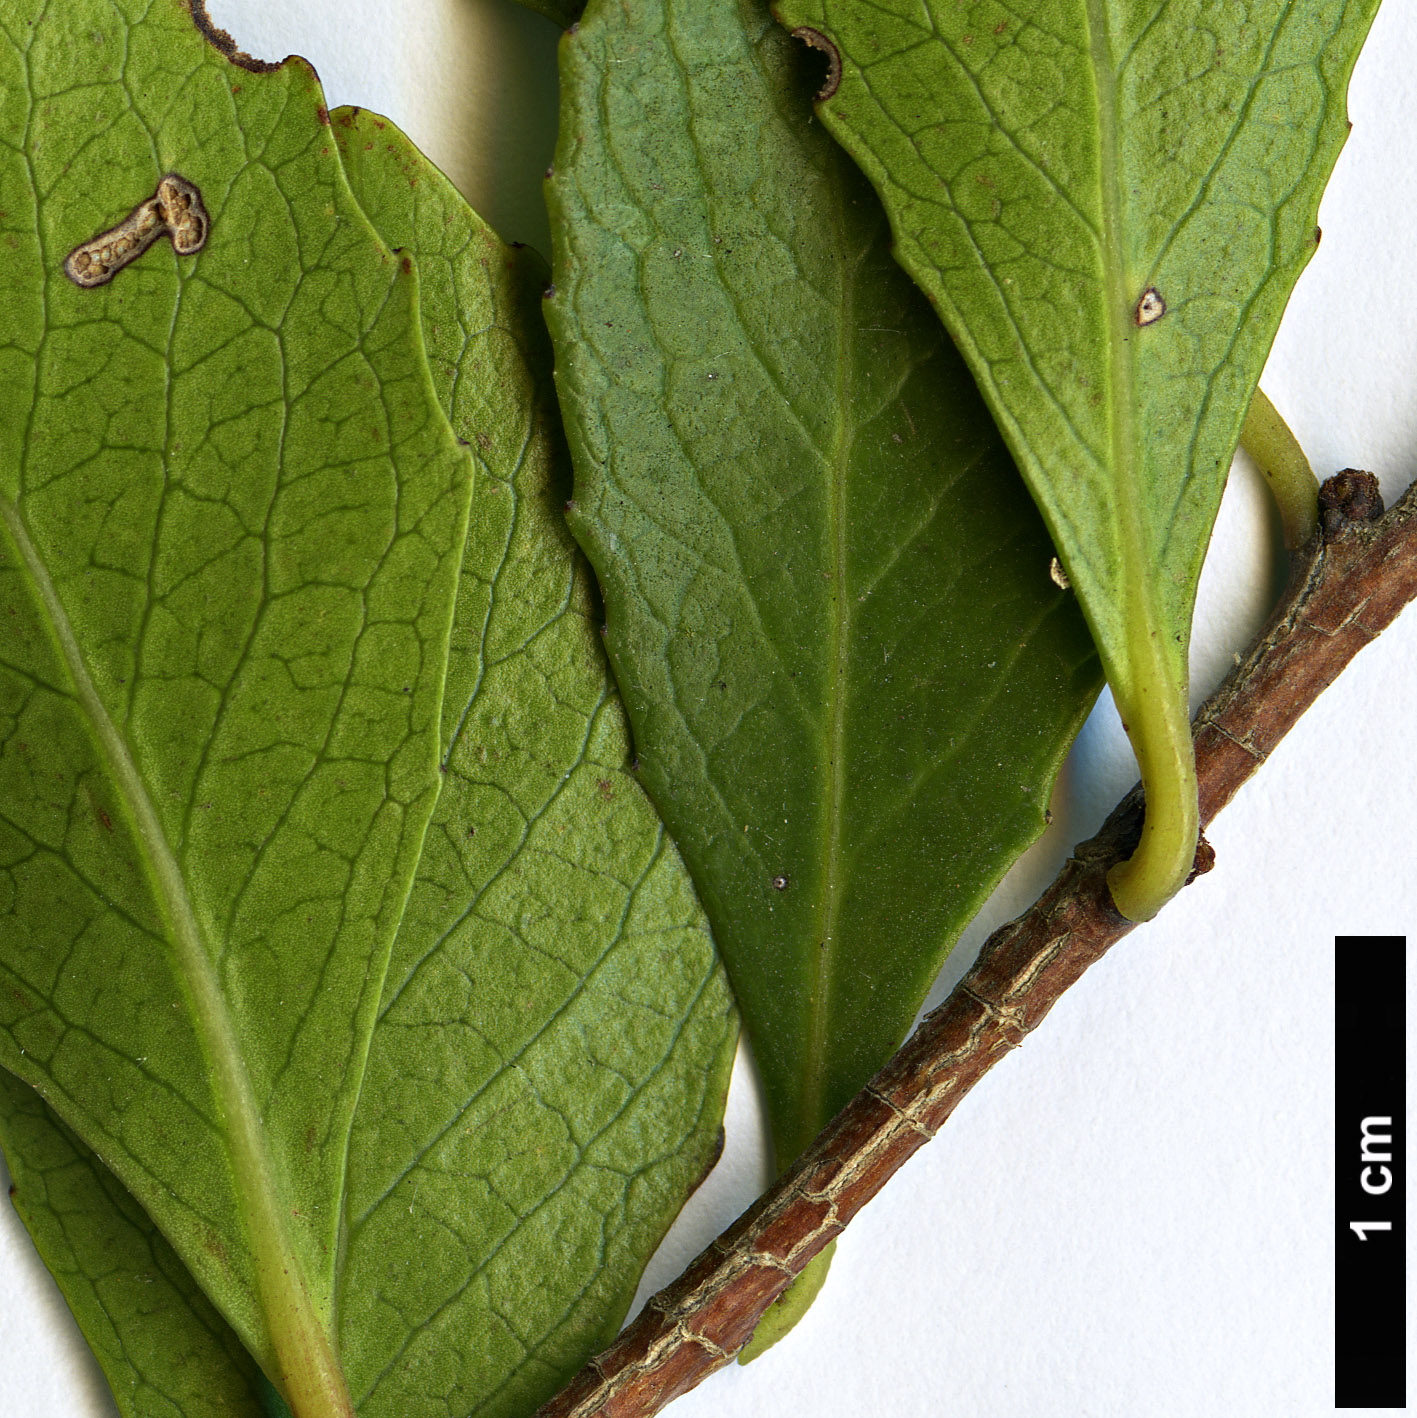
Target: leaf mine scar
<point x="175" y="209"/>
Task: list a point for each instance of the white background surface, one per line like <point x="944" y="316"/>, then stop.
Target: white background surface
<point x="1133" y="1215"/>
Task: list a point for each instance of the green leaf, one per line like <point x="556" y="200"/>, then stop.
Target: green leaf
<point x="231" y="513"/>
<point x="547" y="1080"/>
<point x="849" y="676"/>
<point x="164" y="1349"/>
<point x="1109" y="202"/>
<point x="562" y="12"/>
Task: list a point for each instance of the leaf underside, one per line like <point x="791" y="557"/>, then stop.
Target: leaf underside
<point x="165" y="1351"/>
<point x="828" y="604"/>
<point x="547" y="1078"/>
<point x="1108" y="202"/>
<point x="231" y="512"/>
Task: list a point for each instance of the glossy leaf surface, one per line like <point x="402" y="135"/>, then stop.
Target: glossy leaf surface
<point x="547" y="1079"/>
<point x="232" y="519"/>
<point x="849" y="676"/>
<point x="1109" y="202"/>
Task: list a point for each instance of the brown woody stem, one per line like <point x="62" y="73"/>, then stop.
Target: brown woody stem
<point x="1347" y="584"/>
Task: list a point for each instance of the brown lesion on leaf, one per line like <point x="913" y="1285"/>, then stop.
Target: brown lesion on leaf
<point x="181" y="207"/>
<point x="1150" y="308"/>
<point x="815" y="39"/>
<point x="175" y="210"/>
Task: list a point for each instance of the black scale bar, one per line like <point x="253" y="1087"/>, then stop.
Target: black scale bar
<point x="1370" y="1170"/>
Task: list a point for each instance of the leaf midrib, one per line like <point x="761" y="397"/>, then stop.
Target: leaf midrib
<point x="837" y="462"/>
<point x="252" y="1172"/>
<point x="1144" y="663"/>
<point x="1118" y="316"/>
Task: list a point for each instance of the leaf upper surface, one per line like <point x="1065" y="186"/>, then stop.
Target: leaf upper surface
<point x="231" y="513"/>
<point x="849" y="677"/>
<point x="547" y="1078"/>
<point x="1109" y="202"/>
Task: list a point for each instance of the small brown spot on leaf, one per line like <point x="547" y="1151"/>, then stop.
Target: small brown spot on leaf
<point x="323" y="114"/>
<point x="815" y="39"/>
<point x="606" y="791"/>
<point x="407" y="265"/>
<point x="1150" y="308"/>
